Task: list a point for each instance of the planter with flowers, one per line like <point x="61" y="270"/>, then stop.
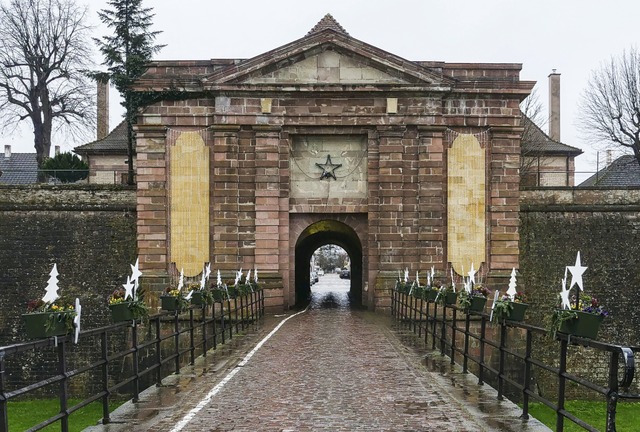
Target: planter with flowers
<point x="45" y="319"/>
<point x="583" y="319"/>
<point x="200" y="296"/>
<point x="123" y="308"/>
<point x="475" y="300"/>
<point x="581" y="314"/>
<point x="446" y="295"/>
<point x="173" y="300"/>
<point x="507" y="309"/>
<point x="52" y="315"/>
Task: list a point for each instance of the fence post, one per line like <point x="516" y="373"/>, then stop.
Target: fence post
<point x="136" y="362"/>
<point x="4" y="417"/>
<point x="465" y="358"/>
<point x="527" y="376"/>
<point x="176" y="340"/>
<point x="158" y="353"/>
<point x="203" y="319"/>
<point x="561" y="385"/>
<point x="192" y="330"/>
<point x="64" y="383"/>
<point x="503" y="342"/>
<point x="483" y="334"/>
<point x="612" y="395"/>
<point x="454" y="323"/>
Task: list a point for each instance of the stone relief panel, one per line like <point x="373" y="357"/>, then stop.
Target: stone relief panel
<point x="329" y="166"/>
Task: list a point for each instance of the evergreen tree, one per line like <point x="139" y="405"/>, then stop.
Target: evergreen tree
<point x="66" y="167"/>
<point x="126" y="54"/>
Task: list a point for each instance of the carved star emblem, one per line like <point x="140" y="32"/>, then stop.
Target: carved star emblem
<point x="328" y="169"/>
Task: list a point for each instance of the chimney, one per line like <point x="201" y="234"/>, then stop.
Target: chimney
<point x="57" y="150"/>
<point x="103" y="108"/>
<point x="7" y="151"/>
<point x="554" y="106"/>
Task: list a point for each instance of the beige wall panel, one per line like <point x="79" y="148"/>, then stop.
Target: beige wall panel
<point x="466" y="195"/>
<point x="189" y="198"/>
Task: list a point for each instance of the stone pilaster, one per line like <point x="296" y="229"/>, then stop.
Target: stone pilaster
<point x="225" y="198"/>
<point x="504" y="207"/>
<point x="432" y="196"/>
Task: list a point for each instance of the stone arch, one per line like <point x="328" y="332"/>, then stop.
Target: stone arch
<point x="314" y="231"/>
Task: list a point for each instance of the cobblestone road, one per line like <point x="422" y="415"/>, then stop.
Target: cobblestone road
<point x="327" y="369"/>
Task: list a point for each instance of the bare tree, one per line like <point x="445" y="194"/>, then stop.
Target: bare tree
<point x="610" y="106"/>
<point x="44" y="49"/>
<point x="533" y="139"/>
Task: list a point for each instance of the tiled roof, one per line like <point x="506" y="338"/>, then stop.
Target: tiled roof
<point x="624" y="171"/>
<point x="328" y="22"/>
<point x="19" y="168"/>
<point x="114" y="143"/>
<point x="535" y="141"/>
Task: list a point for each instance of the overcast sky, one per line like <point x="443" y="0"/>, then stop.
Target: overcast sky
<point x="572" y="36"/>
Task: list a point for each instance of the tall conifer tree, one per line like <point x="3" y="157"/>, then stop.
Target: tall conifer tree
<point x="126" y="54"/>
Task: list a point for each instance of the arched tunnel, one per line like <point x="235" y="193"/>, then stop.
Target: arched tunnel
<point x="319" y="234"/>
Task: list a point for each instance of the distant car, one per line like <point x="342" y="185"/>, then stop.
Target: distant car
<point x="345" y="274"/>
<point x="320" y="272"/>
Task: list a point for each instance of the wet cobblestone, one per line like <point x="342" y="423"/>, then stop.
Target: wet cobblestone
<point x="328" y="369"/>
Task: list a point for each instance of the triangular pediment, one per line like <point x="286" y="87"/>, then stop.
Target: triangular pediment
<point x="327" y="57"/>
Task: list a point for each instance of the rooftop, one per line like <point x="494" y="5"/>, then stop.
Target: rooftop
<point x="624" y="171"/>
<point x="19" y="168"/>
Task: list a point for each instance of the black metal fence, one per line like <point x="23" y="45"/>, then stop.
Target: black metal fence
<point x="124" y="358"/>
<point x="508" y="357"/>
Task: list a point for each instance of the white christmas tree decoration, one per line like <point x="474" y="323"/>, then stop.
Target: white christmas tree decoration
<point x="406" y="275"/>
<point x="247" y="279"/>
<point x="181" y="280"/>
<point x="511" y="292"/>
<point x="238" y="277"/>
<point x="76" y="321"/>
<point x="51" y="293"/>
<point x="576" y="273"/>
<point x="203" y="280"/>
<point x="418" y="278"/>
<point x="207" y="271"/>
<point x="493" y="306"/>
<point x="428" y="279"/>
<point x="433" y="272"/>
<point x="255" y="275"/>
<point x="564" y="294"/>
<point x="219" y="281"/>
<point x="453" y="283"/>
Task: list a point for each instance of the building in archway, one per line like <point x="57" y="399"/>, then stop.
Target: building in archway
<point x="254" y="163"/>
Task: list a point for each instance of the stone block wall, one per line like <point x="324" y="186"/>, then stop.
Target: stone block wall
<point x="88" y="231"/>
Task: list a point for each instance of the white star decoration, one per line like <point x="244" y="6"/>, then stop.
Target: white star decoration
<point x="76" y="321"/>
<point x="576" y="273"/>
<point x="472" y="275"/>
<point x="128" y="289"/>
<point x="135" y="272"/>
<point x="207" y="271"/>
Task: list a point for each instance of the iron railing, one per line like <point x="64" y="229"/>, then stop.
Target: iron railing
<point x="152" y="350"/>
<point x="452" y="331"/>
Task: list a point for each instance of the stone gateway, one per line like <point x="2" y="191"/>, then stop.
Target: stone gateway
<point x="255" y="163"/>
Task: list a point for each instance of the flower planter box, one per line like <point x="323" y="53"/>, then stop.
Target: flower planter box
<point x="430" y="294"/>
<point x="169" y="303"/>
<point x="518" y="311"/>
<point x="218" y="295"/>
<point x="586" y="325"/>
<point x="36" y="324"/>
<point x="477" y="304"/>
<point x="121" y="312"/>
<point x="450" y="298"/>
<point x="196" y="298"/>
